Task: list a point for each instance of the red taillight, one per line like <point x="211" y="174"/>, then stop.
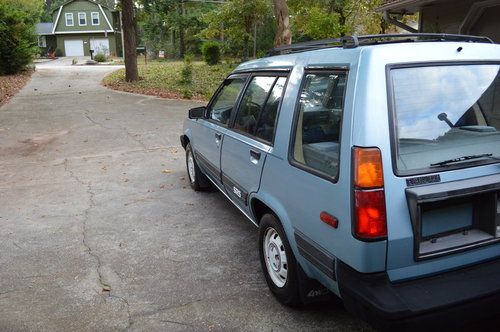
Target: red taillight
<point x="369" y="207"/>
<point x="369" y="198"/>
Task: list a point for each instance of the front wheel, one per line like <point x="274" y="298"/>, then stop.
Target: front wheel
<point x="278" y="262"/>
<point x="197" y="180"/>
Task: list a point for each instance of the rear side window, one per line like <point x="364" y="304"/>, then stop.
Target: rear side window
<point x="224" y="102"/>
<point x="446" y="116"/>
<point x="318" y="122"/>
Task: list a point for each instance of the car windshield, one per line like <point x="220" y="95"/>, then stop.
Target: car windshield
<point x="446" y="116"/>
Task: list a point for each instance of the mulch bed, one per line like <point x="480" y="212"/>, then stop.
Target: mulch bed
<point x="11" y="84"/>
<point x="131" y="87"/>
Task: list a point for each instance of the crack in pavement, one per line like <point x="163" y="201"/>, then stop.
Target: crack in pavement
<point x="129" y="134"/>
<point x="9" y="291"/>
<point x="127" y="306"/>
<point x="175" y="322"/>
<point x="105" y="286"/>
<point x="134" y="138"/>
<point x="87" y="116"/>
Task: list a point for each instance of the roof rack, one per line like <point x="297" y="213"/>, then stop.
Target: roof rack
<point x="355" y="41"/>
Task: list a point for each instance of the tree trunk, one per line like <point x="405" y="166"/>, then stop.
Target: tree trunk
<point x="182" y="37"/>
<point x="128" y="29"/>
<point x="283" y="34"/>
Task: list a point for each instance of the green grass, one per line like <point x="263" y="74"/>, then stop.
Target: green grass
<point x="163" y="78"/>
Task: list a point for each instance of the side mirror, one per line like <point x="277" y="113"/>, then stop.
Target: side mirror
<point x="197" y="112"/>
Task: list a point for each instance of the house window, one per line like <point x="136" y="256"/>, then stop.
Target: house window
<point x="69" y="20"/>
<point x="42" y="41"/>
<point x="95" y="18"/>
<point x="82" y="19"/>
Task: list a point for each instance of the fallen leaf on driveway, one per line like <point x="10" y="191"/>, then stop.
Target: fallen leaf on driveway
<point x="166" y="171"/>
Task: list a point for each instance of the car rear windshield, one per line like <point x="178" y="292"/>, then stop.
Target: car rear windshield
<point x="446" y="116"/>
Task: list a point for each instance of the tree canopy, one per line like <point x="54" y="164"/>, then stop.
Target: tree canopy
<point x="318" y="19"/>
<point x="243" y="27"/>
<point x="235" y="23"/>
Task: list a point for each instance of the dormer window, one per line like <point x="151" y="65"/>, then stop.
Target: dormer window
<point x="95" y="18"/>
<point x="69" y="20"/>
<point x="82" y="19"/>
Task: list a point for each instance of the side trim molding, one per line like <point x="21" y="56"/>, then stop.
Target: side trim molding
<point x="235" y="189"/>
<point x="316" y="255"/>
<point x="207" y="165"/>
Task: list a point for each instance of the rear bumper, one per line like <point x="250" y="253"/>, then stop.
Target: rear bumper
<point x="449" y="299"/>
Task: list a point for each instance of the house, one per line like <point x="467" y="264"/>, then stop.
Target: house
<point x="79" y="26"/>
<point x="46" y="40"/>
<point x="469" y="17"/>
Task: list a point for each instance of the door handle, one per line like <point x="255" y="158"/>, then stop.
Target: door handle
<point x="255" y="154"/>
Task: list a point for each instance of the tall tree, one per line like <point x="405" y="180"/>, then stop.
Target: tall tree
<point x="236" y="20"/>
<point x="283" y="33"/>
<point x="172" y="24"/>
<point x="128" y="27"/>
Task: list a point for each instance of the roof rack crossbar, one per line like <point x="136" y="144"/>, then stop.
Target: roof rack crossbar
<point x="355" y="41"/>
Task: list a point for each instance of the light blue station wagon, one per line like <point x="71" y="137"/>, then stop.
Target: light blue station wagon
<point x="372" y="169"/>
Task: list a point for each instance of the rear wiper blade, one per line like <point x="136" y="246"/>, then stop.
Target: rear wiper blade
<point x="455" y="160"/>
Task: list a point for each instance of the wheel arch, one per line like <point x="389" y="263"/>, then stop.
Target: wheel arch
<point x="265" y="203"/>
<point x="262" y="204"/>
<point x="186" y="138"/>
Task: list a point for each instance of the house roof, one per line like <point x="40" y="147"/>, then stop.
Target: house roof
<point x="44" y="28"/>
<point x="406" y="6"/>
<point x="70" y="1"/>
<point x="60" y="9"/>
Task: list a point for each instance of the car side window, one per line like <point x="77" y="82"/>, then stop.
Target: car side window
<point x="252" y="102"/>
<point x="318" y="122"/>
<point x="267" y="120"/>
<point x="225" y="100"/>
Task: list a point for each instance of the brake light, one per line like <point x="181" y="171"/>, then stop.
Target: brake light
<point x="369" y="207"/>
<point x="370" y="221"/>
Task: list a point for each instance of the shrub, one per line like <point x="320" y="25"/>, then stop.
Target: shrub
<point x="17" y="41"/>
<point x="58" y="52"/>
<point x="99" y="57"/>
<point x="211" y="52"/>
<point x="187" y="93"/>
<point x="187" y="69"/>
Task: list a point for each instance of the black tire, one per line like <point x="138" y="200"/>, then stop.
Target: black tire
<point x="287" y="293"/>
<point x="199" y="181"/>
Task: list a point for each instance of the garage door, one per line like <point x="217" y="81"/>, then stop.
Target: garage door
<point x="100" y="45"/>
<point x="73" y="47"/>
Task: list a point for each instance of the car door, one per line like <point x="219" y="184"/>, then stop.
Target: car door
<point x="250" y="137"/>
<point x="209" y="131"/>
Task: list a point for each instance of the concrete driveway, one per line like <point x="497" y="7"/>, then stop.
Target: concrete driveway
<point x="100" y="230"/>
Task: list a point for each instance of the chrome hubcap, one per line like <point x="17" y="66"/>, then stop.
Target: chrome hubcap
<point x="275" y="257"/>
<point x="190" y="167"/>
